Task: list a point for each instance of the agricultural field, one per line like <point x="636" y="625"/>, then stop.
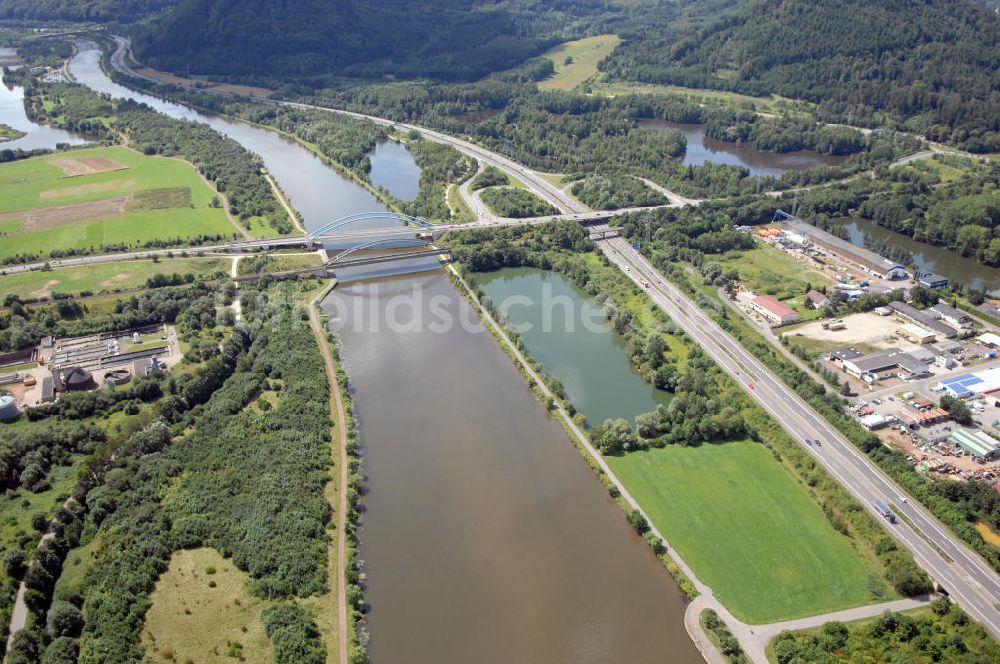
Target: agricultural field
<point x="747" y="529"/>
<point x="585" y="54"/>
<point x="85" y="199"/>
<point x="202" y="611"/>
<point x="106" y="277"/>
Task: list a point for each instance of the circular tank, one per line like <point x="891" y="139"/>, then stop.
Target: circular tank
<point x="78" y="379"/>
<point x="8" y="407"/>
<point x="118" y="376"/>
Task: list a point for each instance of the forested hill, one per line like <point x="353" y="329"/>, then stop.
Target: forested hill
<point x="443" y="39"/>
<point x="937" y="61"/>
<point x="123" y="11"/>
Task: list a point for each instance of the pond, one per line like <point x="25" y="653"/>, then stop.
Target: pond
<point x="394" y="169"/>
<point x="702" y="149"/>
<point x="13" y="115"/>
<point x="565" y="330"/>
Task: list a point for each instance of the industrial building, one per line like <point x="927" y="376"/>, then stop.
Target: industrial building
<point x="931" y="280"/>
<point x="951" y="315"/>
<point x="969" y="385"/>
<point x="911" y="314"/>
<point x="977" y="443"/>
<point x="773" y="310"/>
<point x="892" y="363"/>
<point x="865" y="259"/>
<point x="916" y="334"/>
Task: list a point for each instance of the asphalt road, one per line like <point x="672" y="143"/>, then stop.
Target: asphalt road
<point x="966" y="577"/>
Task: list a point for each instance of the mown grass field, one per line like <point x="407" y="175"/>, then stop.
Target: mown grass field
<point x="43" y="206"/>
<point x="747" y="528"/>
<point x="202" y="611"/>
<point x="586" y="53"/>
<point x="102" y="277"/>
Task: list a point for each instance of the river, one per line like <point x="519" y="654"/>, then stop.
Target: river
<point x="927" y="257"/>
<point x="702" y="149"/>
<point x="485" y="535"/>
<point x="12" y="114"/>
<point x="394" y="168"/>
<point x="319" y="193"/>
<point x="566" y="331"/>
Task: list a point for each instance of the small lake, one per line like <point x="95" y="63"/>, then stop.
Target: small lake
<point x="394" y="169"/>
<point x="565" y="330"/>
<point x="12" y="114"/>
<point x="702" y="149"/>
<point x="928" y="258"/>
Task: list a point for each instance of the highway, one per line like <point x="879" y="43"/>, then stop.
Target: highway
<point x="964" y="574"/>
<point x="967" y="577"/>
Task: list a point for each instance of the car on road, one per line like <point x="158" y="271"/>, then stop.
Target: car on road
<point x="902" y="499"/>
<point x="628" y="269"/>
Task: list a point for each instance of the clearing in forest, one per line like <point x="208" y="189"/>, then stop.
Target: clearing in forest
<point x="99" y="277"/>
<point x="576" y="61"/>
<point x="202" y="611"/>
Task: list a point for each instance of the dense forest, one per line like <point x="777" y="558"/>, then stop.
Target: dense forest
<point x="443" y="39"/>
<point x="935" y="62"/>
<point x="122" y="11"/>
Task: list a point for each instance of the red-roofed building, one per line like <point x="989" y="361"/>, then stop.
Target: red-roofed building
<point x="773" y="310"/>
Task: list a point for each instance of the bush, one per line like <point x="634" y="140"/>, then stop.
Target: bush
<point x="64" y="619"/>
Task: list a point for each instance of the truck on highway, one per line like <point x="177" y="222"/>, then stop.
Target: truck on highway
<point x="884" y="510"/>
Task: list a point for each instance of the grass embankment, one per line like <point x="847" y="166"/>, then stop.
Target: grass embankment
<point x="747" y="528"/>
<point x="106" y="277"/>
<point x="103" y="196"/>
<point x="202" y="611"/>
<point x="576" y="61"/>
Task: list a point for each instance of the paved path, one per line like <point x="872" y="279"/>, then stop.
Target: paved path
<point x="761" y="635"/>
<point x="675" y="199"/>
<point x="692" y="623"/>
<point x="339" y="416"/>
<point x="294" y="218"/>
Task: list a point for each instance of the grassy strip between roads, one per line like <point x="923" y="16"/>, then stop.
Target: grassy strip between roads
<point x="106" y="277"/>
